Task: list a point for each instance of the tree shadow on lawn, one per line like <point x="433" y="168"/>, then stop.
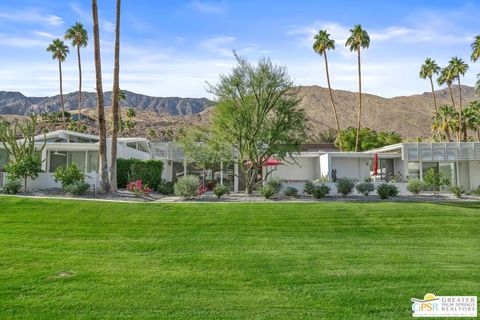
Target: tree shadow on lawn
<point x="461" y="204"/>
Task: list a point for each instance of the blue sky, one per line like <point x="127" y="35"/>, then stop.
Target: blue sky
<point x="171" y="48"/>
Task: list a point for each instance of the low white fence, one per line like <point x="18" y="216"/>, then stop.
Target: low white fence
<point x="45" y="181"/>
<point x="402" y="186"/>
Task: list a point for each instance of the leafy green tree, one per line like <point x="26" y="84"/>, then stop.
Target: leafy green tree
<point x="435" y="179"/>
<point x="130" y="119"/>
<point x="258" y="115"/>
<point x="359" y="39"/>
<point x="322" y="44"/>
<point x="427" y="70"/>
<point x="446" y="121"/>
<point x="59" y="52"/>
<point x="475" y="55"/>
<point x="26" y="155"/>
<point x="459" y="68"/>
<point x="369" y="139"/>
<point x="471" y="116"/>
<point x="79" y="37"/>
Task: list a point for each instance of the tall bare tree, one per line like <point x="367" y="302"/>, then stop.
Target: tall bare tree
<point x="359" y="39"/>
<point x="103" y="170"/>
<point x="59" y="52"/>
<point x="79" y="37"/>
<point x="115" y="98"/>
<point x="322" y="44"/>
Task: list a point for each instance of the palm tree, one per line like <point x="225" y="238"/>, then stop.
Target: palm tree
<point x="79" y="37"/>
<point x="459" y="68"/>
<point x="322" y="44"/>
<point x="59" y="52"/>
<point x="359" y="39"/>
<point x="427" y="70"/>
<point x="471" y="115"/>
<point x="115" y="112"/>
<point x="474" y="57"/>
<point x="103" y="170"/>
<point x="446" y="121"/>
<point x="447" y="77"/>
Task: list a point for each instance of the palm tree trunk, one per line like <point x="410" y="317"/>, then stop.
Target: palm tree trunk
<point x="61" y="94"/>
<point x="433" y="95"/>
<point x="463" y="125"/>
<point x="333" y="102"/>
<point x="447" y="132"/>
<point x="478" y="134"/>
<point x="116" y="91"/>
<point x="79" y="87"/>
<point x="451" y="95"/>
<point x="359" y="118"/>
<point x="103" y="170"/>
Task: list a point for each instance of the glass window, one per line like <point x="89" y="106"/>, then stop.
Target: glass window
<point x="3" y="158"/>
<point x="57" y="159"/>
<point x="92" y="165"/>
<point x="413" y="170"/>
<point x="77" y="157"/>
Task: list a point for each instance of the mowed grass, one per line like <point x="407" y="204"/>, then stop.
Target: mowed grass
<point x="62" y="259"/>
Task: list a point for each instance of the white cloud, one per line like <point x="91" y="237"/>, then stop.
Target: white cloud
<point x="107" y="26"/>
<point x="22" y="42"/>
<point x="217" y="45"/>
<point x="31" y="16"/>
<point x="209" y="7"/>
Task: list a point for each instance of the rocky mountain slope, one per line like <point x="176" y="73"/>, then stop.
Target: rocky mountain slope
<point x="17" y="103"/>
<point x="409" y="115"/>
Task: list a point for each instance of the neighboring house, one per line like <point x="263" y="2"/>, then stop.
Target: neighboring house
<point x="65" y="147"/>
<point x="460" y="163"/>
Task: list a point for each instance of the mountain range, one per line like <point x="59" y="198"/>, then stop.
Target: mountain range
<point x="410" y="116"/>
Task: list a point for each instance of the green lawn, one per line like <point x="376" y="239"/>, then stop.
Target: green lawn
<point x="81" y="259"/>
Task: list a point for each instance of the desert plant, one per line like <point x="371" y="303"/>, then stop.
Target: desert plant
<point x="275" y="184"/>
<point x="166" y="187"/>
<point x="365" y="188"/>
<point x="186" y="187"/>
<point x="68" y="175"/>
<point x="290" y="192"/>
<point x="457" y="191"/>
<point x="220" y="191"/>
<point x="435" y="179"/>
<point x="267" y="192"/>
<point x="138" y="188"/>
<point x="320" y="191"/>
<point x="12" y="186"/>
<point x="76" y="188"/>
<point x="308" y="187"/>
<point x="386" y="190"/>
<point x="415" y="186"/>
<point x="345" y="186"/>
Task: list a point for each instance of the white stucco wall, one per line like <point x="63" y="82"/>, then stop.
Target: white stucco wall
<point x="304" y="170"/>
<point x="351" y="167"/>
<point x="474" y="174"/>
<point x="45" y="181"/>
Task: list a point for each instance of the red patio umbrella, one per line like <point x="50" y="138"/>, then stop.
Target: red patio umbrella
<point x="375" y="164"/>
<point x="270" y="162"/>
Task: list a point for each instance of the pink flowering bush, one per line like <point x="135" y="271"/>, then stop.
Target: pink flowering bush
<point x="138" y="188"/>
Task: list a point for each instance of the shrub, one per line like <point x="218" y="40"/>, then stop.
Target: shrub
<point x="68" y="175"/>
<point x="138" y="188"/>
<point x="220" y="191"/>
<point x="186" y="187"/>
<point x="11" y="186"/>
<point x="415" y="186"/>
<point x="123" y="171"/>
<point x="383" y="190"/>
<point x="150" y="172"/>
<point x="275" y="184"/>
<point x="345" y="186"/>
<point x="476" y="191"/>
<point x="321" y="191"/>
<point x="267" y="192"/>
<point x="210" y="184"/>
<point x="290" y="192"/>
<point x="365" y="188"/>
<point x="457" y="191"/>
<point x="166" y="188"/>
<point x="386" y="190"/>
<point x="435" y="179"/>
<point x="308" y="187"/>
<point x="392" y="190"/>
<point x="76" y="188"/>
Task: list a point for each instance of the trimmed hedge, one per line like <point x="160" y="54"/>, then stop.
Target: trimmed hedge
<point x="150" y="172"/>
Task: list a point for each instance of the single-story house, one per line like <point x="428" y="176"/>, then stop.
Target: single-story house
<point x="64" y="147"/>
<point x="460" y="163"/>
